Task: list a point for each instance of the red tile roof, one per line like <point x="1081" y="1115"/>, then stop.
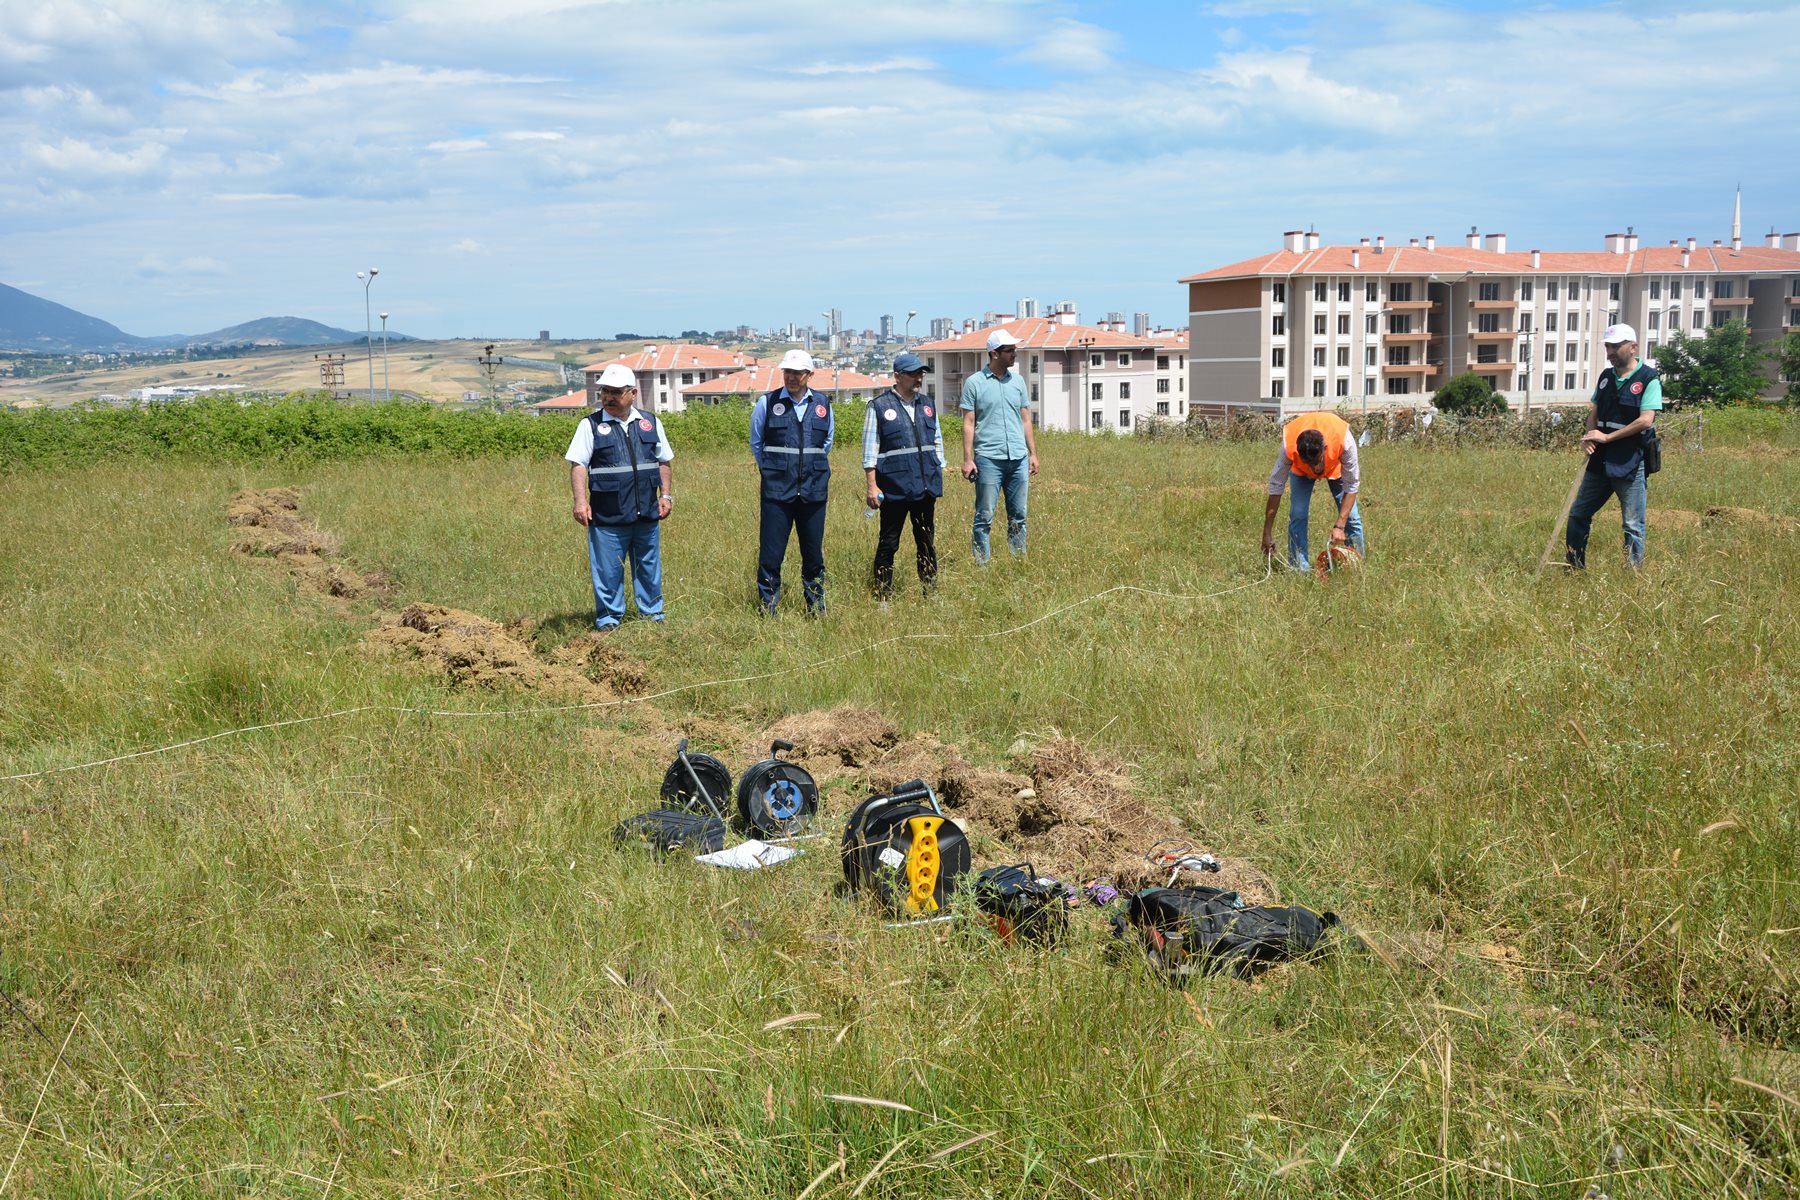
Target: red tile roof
<point x="1418" y="261"/>
<point x="567" y="401"/>
<point x="1043" y="333"/>
<point x="676" y="356"/>
<point x="766" y="377"/>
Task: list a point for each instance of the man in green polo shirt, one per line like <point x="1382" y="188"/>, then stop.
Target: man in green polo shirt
<point x="999" y="452"/>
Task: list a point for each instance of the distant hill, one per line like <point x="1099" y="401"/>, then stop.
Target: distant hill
<point x="281" y="331"/>
<point x="29" y="322"/>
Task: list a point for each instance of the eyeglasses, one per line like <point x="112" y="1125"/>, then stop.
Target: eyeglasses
<point x="611" y="393"/>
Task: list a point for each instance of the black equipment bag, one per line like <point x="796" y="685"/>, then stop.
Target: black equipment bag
<point x="1202" y="930"/>
<point x="1652" y="451"/>
<point x="1017" y="900"/>
<point x="666" y="830"/>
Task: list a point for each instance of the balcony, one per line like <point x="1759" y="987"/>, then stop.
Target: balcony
<point x="1493" y="305"/>
<point x="1409" y="305"/>
<point x="1417" y="368"/>
<point x="1402" y="339"/>
<point x="1482" y="368"/>
<point x="1739" y="301"/>
<point x="1494" y="335"/>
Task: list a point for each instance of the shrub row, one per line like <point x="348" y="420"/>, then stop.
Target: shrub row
<point x="1540" y="431"/>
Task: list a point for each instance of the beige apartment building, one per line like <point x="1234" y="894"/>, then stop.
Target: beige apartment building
<point x="664" y="373"/>
<point x="1311" y="326"/>
<point x="1091" y="377"/>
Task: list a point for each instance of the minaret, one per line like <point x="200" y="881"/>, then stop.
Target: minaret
<point x="1737" y="218"/>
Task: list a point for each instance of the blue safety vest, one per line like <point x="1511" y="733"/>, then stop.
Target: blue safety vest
<point x="794" y="464"/>
<point x="1616" y="406"/>
<point x="623" y="474"/>
<point x="906" y="462"/>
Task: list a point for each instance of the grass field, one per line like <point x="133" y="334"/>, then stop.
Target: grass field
<point x="389" y="954"/>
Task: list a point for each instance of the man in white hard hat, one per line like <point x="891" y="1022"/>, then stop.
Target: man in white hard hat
<point x="999" y="451"/>
<point x="1620" y="416"/>
<point x="791" y="430"/>
<point x="619" y="476"/>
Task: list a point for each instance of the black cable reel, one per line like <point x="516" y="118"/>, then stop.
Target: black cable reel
<point x="777" y="798"/>
<point x="696" y="783"/>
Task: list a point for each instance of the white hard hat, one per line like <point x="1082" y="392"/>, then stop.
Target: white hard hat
<point x="617" y="375"/>
<point x="796" y="360"/>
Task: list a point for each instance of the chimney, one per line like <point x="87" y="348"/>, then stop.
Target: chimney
<point x="1356" y="256"/>
<point x="1686" y="254"/>
<point x="1774" y="240"/>
<point x="1293" y="241"/>
<point x="1790" y="241"/>
<point x="1497" y="242"/>
<point x="1692" y="245"/>
<point x="1430" y="243"/>
<point x="1474" y="238"/>
<point x="1312" y="239"/>
<point x="1615" y="243"/>
<point x="1630" y="240"/>
<point x="1537" y="259"/>
<point x="1414" y="243"/>
<point x="1381" y="243"/>
<point x="1718" y="243"/>
<point x="1737" y="243"/>
<point x="1365" y="243"/>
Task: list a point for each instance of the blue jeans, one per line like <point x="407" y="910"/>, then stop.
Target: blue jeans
<point x="608" y="548"/>
<point x="1596" y="488"/>
<point x="992" y="477"/>
<point x="1300" y="490"/>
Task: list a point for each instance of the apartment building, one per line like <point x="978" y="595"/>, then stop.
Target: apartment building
<point x="664" y="373"/>
<point x="761" y="378"/>
<point x="1092" y="377"/>
<point x="1311" y="326"/>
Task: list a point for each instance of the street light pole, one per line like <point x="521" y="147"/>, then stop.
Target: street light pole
<point x="1525" y="356"/>
<point x="906" y="334"/>
<point x="368" y="278"/>
<point x="387" y="393"/>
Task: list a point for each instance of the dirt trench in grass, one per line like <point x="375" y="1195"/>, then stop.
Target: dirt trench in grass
<point x="1067" y="810"/>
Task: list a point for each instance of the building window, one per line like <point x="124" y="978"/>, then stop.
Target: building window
<point x="1793" y="288"/>
<point x="1343" y="356"/>
<point x="1369" y="293"/>
<point x="1399" y="356"/>
<point x="687" y="377"/>
<point x="1655" y="290"/>
<point x="1550" y="289"/>
<point x="1651" y="352"/>
<point x="1370" y="324"/>
<point x="1368" y="385"/>
<point x="1549" y="382"/>
<point x="1569" y="382"/>
<point x="1612" y="291"/>
<point x="1343" y="387"/>
<point x="1279" y="293"/>
<point x="1095" y="392"/>
<point x="1720" y="316"/>
<point x="1099" y="360"/>
<point x="1319" y="325"/>
<point x="1162" y="362"/>
<point x="1034" y="393"/>
<point x="1094" y="419"/>
<point x="1343" y="293"/>
<point x="1124" y="391"/>
<point x="1524" y="383"/>
<point x="1278" y="357"/>
<point x="1034" y="364"/>
<point x="1550" y="322"/>
<point x="1525" y="289"/>
<point x="1487" y="322"/>
<point x="1723" y="290"/>
<point x="1489" y="353"/>
<point x="1398" y="385"/>
<point x="1277" y="389"/>
<point x="1655" y="319"/>
<point x="1549" y="351"/>
<point x="1674" y="289"/>
<point x="1344" y="325"/>
<point x="1319" y="292"/>
<point x="1162" y="408"/>
<point x="1699" y="319"/>
<point x="1490" y="291"/>
<point x="1794" y="317"/>
<point x="1699" y="289"/>
<point x="1400" y="292"/>
<point x="1318" y="356"/>
<point x="1318" y="387"/>
<point x="1524" y="322"/>
<point x="1124" y="418"/>
<point x="1162" y="387"/>
<point x="1278" y="326"/>
<point x="1368" y="356"/>
<point x="1574" y="322"/>
<point x="1124" y="359"/>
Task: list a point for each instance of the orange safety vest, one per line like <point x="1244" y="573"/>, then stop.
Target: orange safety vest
<point x="1333" y="427"/>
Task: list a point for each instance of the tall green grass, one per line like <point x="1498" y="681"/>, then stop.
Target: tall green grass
<point x="391" y="954"/>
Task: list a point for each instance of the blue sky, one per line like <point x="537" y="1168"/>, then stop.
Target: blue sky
<point x="516" y="165"/>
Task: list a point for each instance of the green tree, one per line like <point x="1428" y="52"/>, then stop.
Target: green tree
<point x="1724" y="367"/>
<point x="1470" y="395"/>
<point x="1786" y="354"/>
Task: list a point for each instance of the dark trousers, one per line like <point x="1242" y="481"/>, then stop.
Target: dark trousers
<point x="893" y="520"/>
<point x="779" y="519"/>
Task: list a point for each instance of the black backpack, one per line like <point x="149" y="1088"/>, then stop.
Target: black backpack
<point x="1017" y="900"/>
<point x="666" y="830"/>
<point x="1203" y="930"/>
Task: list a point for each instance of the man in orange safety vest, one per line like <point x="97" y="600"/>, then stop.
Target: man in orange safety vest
<point x="1314" y="446"/>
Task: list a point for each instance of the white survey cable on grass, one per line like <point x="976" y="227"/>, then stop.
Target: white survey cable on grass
<point x="1122" y="588"/>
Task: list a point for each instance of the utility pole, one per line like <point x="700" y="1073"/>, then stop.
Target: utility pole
<point x="368" y="278"/>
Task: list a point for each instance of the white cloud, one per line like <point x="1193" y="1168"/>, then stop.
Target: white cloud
<point x="881" y="66"/>
<point x="465" y="246"/>
<point x="71" y="156"/>
<point x="152" y="266"/>
<point x="1072" y="46"/>
<point x="457" y="145"/>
